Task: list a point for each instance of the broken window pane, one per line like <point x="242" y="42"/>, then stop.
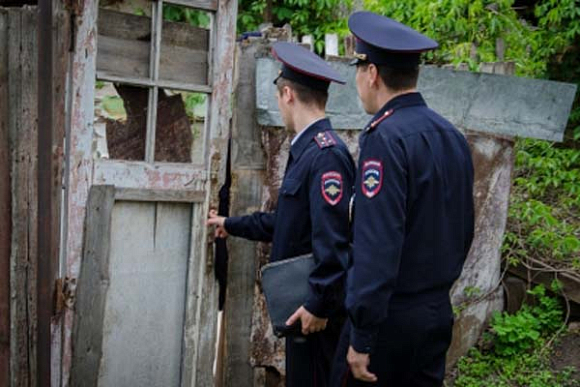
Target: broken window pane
<point x="124" y="40"/>
<point x="179" y="135"/>
<point x="120" y="121"/>
<point x="185" y="40"/>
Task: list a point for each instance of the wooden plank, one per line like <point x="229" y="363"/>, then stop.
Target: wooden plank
<point x="201" y="310"/>
<point x="22" y="84"/>
<point x="222" y="60"/>
<point x="247" y="151"/>
<point x="248" y="171"/>
<point x="5" y="206"/>
<point x="172" y="85"/>
<point x="61" y="58"/>
<point x="130" y="58"/>
<point x="159" y="195"/>
<point x="79" y="160"/>
<point x="125" y="174"/>
<point x="126" y="26"/>
<point x="123" y="57"/>
<point x="209" y="5"/>
<point x="145" y="301"/>
<point x="125" y="49"/>
<point x="92" y="288"/>
<point x="543" y="274"/>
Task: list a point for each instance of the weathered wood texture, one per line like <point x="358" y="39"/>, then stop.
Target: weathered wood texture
<point x="5" y="206"/>
<point x="540" y="273"/>
<point x="92" y="287"/>
<point x="137" y="253"/>
<point x="201" y="302"/>
<point x="79" y="165"/>
<point x="248" y="168"/>
<point x="145" y="301"/>
<point x="22" y="107"/>
<point x="54" y="177"/>
<point x="157" y="195"/>
<point x="124" y="45"/>
<point x="209" y="5"/>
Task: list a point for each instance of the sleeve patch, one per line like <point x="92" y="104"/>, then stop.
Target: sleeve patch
<point x="331" y="186"/>
<point x="372" y="177"/>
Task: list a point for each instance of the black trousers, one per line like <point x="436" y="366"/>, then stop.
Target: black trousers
<point x="309" y="358"/>
<point x="410" y="349"/>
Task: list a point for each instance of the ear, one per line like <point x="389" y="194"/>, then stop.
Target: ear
<point x="287" y="94"/>
<point x="374" y="76"/>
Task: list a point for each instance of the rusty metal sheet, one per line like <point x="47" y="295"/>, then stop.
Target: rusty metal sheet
<point x="490" y="103"/>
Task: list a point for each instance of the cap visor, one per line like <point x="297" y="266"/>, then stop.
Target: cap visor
<point x="354" y="62"/>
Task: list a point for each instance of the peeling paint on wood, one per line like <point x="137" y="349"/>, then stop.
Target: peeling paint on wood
<point x="78" y="174"/>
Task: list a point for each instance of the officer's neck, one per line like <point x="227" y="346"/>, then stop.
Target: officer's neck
<point x="385" y="95"/>
<point x="305" y="117"/>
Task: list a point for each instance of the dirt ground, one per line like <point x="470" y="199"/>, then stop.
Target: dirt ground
<point x="567" y="352"/>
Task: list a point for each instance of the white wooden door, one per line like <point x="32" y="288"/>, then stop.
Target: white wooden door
<point x="146" y="299"/>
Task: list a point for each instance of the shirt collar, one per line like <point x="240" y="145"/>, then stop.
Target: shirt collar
<point x="303" y="130"/>
<point x="302" y="139"/>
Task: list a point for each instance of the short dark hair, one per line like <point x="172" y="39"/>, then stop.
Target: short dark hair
<point x="397" y="79"/>
<point x="305" y="94"/>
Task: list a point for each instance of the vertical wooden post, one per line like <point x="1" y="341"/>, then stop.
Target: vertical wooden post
<point x="5" y="207"/>
<point x="22" y="85"/>
<point x="247" y="181"/>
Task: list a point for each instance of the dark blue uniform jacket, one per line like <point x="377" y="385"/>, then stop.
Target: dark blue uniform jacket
<point x="413" y="217"/>
<point x="311" y="214"/>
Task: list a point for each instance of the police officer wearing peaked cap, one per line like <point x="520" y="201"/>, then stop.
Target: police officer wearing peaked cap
<point x="311" y="213"/>
<point x="413" y="218"/>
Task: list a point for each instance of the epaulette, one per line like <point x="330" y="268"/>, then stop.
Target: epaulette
<point x="376" y="122"/>
<point x="325" y="139"/>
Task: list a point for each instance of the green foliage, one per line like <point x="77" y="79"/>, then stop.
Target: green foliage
<point x="517" y="357"/>
<point x="307" y="17"/>
<point x="480" y="369"/>
<point x="459" y="25"/>
<point x="521" y="331"/>
<point x="194" y="17"/>
<point x="544" y="220"/>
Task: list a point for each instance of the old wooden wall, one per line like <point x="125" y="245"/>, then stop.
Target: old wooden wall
<point x="22" y="345"/>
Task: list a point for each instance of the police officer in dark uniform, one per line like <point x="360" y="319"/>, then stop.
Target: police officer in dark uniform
<point x="311" y="213"/>
<point x="413" y="218"/>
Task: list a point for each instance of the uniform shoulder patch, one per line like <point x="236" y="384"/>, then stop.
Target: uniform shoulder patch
<point x="331" y="187"/>
<point x="325" y="139"/>
<point x="372" y="177"/>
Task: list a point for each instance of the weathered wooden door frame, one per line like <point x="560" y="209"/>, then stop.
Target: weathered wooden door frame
<point x="83" y="172"/>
